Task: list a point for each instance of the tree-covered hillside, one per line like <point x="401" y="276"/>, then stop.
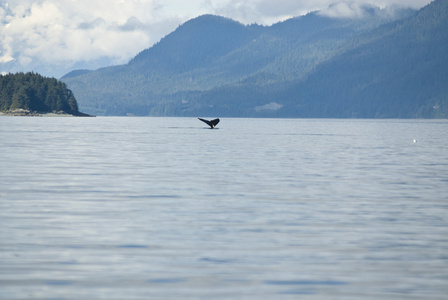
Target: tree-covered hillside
<point x="309" y="66"/>
<point x="399" y="70"/>
<point x="34" y="92"/>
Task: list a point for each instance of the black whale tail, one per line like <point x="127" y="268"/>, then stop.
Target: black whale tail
<point x="211" y="123"/>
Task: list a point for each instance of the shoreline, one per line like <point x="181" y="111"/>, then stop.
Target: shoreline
<point x="28" y="113"/>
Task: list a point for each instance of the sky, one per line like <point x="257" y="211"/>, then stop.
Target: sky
<point x="53" y="37"/>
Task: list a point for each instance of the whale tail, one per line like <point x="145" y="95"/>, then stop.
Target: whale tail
<point x="211" y="123"/>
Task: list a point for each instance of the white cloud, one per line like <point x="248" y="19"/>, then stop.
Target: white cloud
<point x="68" y="32"/>
<point x="268" y="11"/>
<point x="344" y="10"/>
<point x="56" y="36"/>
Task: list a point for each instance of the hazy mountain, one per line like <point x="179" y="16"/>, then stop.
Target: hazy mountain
<point x="399" y="70"/>
<point x="309" y="66"/>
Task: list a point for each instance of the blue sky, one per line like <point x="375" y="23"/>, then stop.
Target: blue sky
<point x="53" y="37"/>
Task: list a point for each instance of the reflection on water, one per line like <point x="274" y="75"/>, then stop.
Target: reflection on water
<point x="142" y="208"/>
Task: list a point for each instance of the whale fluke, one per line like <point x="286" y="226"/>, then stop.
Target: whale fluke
<point x="211" y="123"/>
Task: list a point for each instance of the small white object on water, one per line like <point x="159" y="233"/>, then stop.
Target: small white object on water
<point x="415" y="141"/>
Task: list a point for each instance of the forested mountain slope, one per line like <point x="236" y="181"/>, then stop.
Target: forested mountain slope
<point x="304" y="67"/>
<point x="399" y="70"/>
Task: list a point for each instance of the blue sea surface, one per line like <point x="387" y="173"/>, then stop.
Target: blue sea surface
<point x="165" y="208"/>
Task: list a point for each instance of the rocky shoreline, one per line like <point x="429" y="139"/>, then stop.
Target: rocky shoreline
<point x="20" y="112"/>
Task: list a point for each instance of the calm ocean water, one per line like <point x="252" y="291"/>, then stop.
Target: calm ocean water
<point x="163" y="208"/>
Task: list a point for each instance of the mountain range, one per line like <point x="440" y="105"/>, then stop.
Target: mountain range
<point x="389" y="63"/>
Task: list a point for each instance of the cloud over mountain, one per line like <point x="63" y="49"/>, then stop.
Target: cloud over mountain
<point x="267" y="11"/>
<point x="55" y="36"/>
<point x="65" y="34"/>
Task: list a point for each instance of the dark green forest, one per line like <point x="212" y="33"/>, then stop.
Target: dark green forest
<point x="398" y="70"/>
<point x="380" y="66"/>
<point x="31" y="91"/>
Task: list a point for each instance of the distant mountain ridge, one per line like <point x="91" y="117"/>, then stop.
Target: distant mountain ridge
<point x="399" y="70"/>
<point x="308" y="66"/>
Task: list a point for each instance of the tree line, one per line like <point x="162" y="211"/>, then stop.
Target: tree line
<point x="34" y="92"/>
